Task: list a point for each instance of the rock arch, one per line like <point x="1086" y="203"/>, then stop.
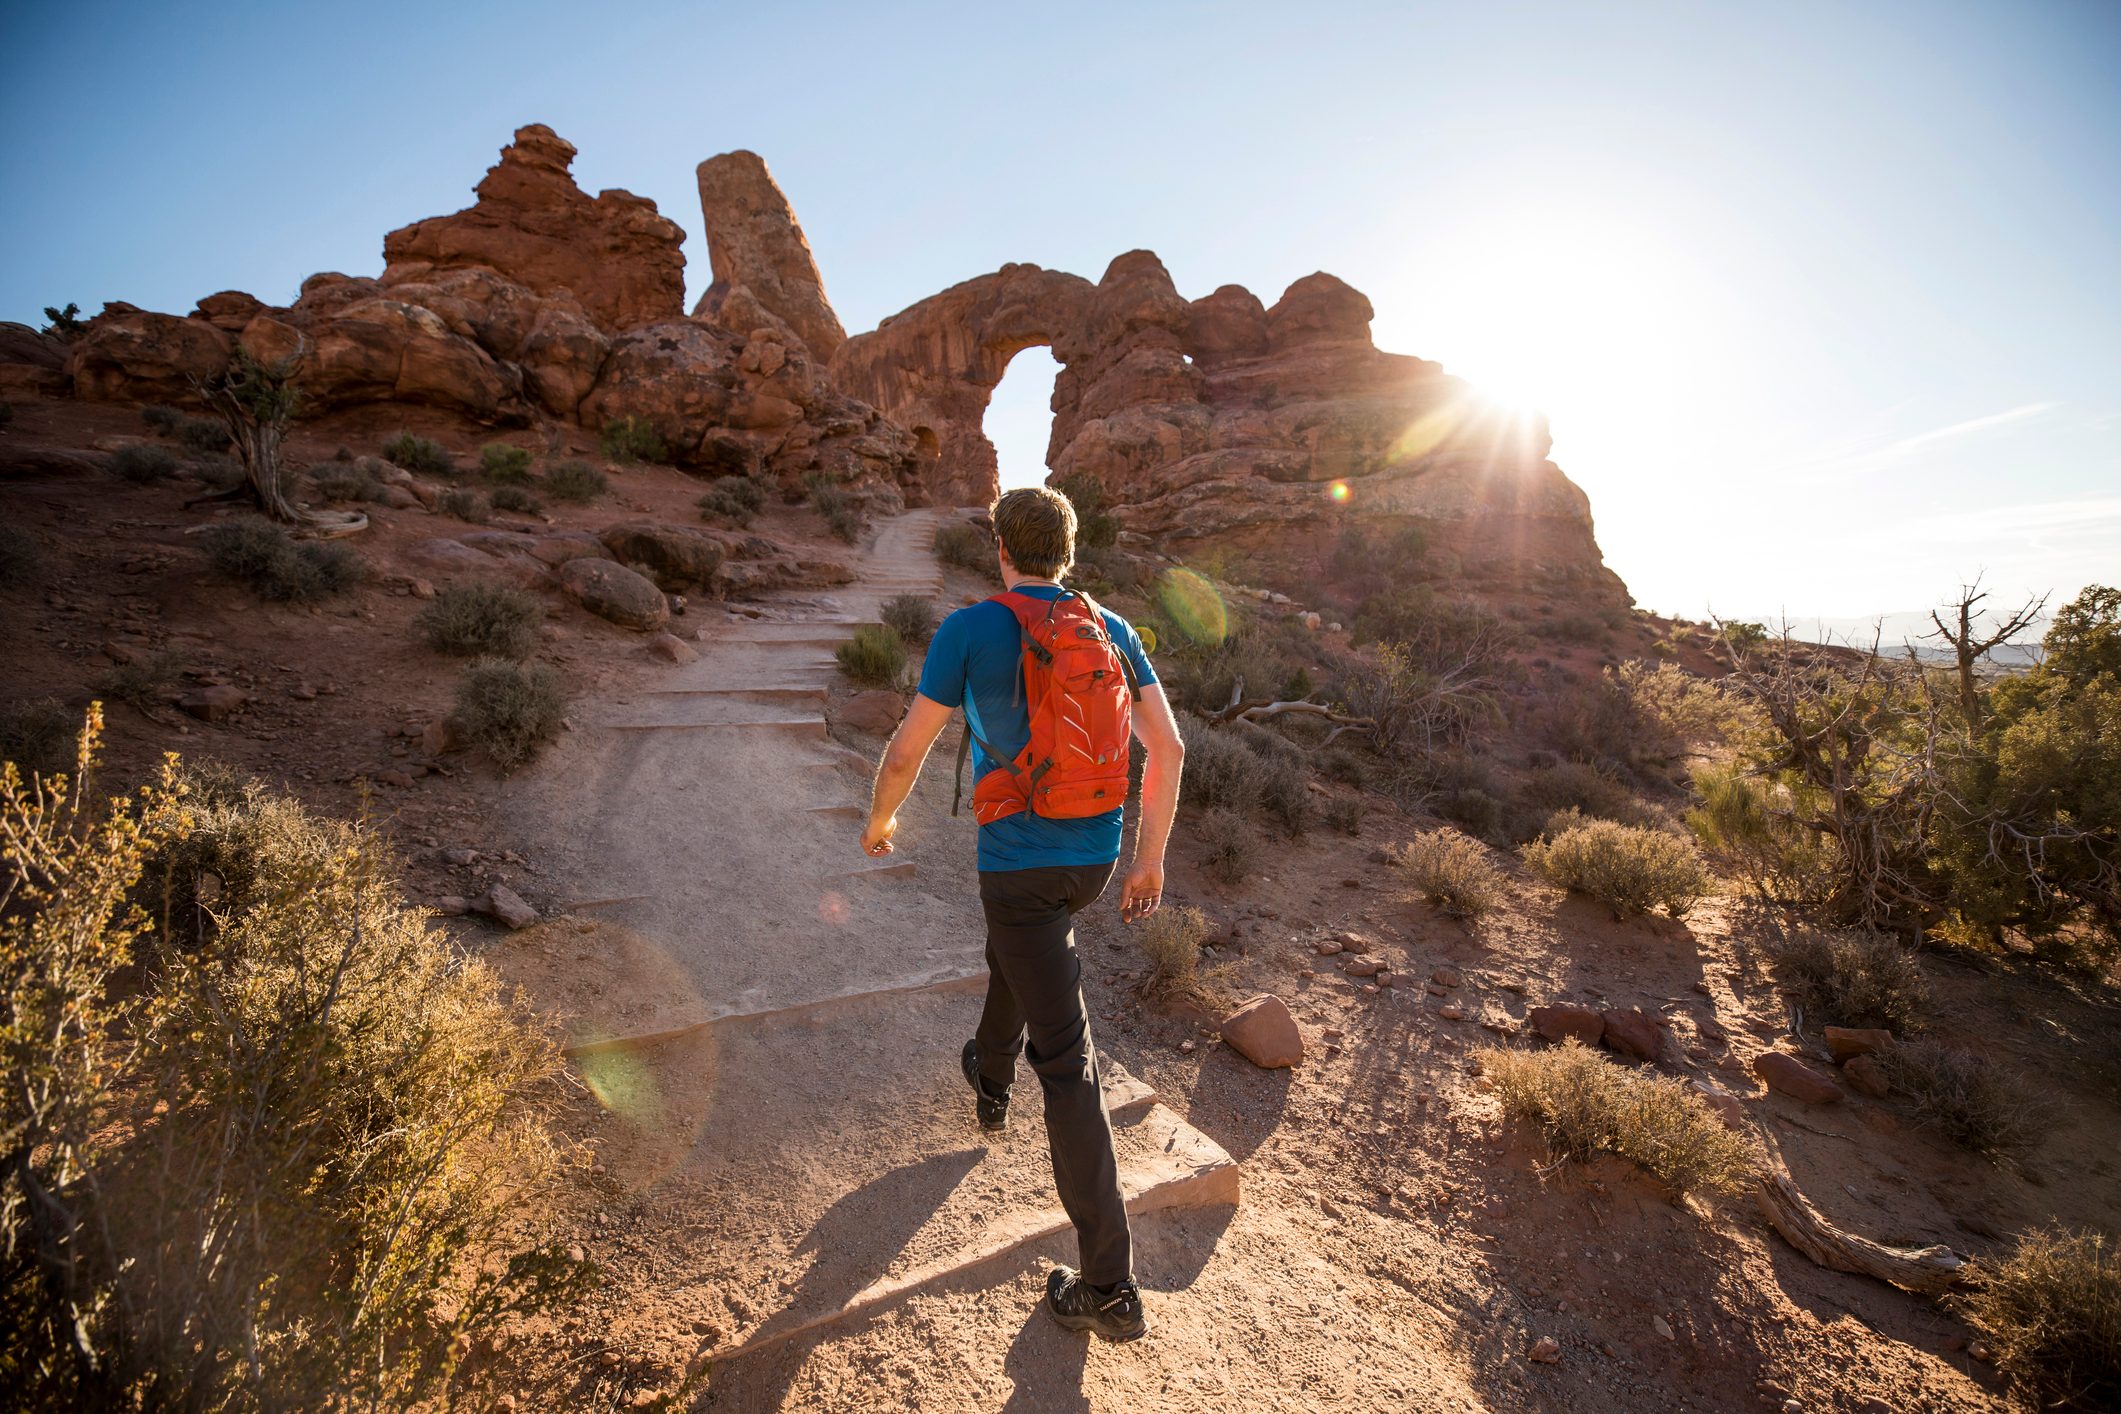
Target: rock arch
<point x="933" y="368"/>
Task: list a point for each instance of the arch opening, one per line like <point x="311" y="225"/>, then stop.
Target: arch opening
<point x="1018" y="420"/>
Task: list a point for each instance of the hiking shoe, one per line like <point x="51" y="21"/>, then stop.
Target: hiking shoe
<point x="1115" y="1314"/>
<point x="993" y="1112"/>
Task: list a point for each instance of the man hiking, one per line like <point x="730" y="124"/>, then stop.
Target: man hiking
<point x="1051" y="686"/>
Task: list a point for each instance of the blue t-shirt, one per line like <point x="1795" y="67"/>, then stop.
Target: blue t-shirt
<point x="980" y="648"/>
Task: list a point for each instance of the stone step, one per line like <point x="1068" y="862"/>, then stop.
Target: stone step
<point x="799" y="726"/>
<point x="807" y="692"/>
<point x="822" y="1162"/>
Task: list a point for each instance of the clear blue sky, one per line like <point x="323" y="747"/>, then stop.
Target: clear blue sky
<point x="1824" y="300"/>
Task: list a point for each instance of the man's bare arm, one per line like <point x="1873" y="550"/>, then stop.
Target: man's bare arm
<point x="901" y="767"/>
<point x="1143" y="892"/>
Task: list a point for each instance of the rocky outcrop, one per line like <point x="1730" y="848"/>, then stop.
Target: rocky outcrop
<point x="613" y="254"/>
<point x="1220" y="418"/>
<point x="128" y="354"/>
<point x="31" y="361"/>
<point x="932" y="368"/>
<point x="764" y="272"/>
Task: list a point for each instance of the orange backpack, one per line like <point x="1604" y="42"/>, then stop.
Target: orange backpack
<point x="1080" y="689"/>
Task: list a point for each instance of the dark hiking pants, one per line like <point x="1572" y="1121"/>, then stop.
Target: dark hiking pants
<point x="1035" y="1005"/>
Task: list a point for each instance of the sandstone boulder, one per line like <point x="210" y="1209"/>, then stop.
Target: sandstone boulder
<point x="755" y="244"/>
<point x="230" y="310"/>
<point x="677" y="556"/>
<point x="874" y="713"/>
<point x="613" y="253"/>
<point x="507" y="907"/>
<point x="1845" y="1042"/>
<point x="31" y="361"/>
<point x="1264" y="1033"/>
<point x="1564" y="1019"/>
<point x="132" y="355"/>
<point x="613" y="592"/>
<point x="672" y="649"/>
<point x="1785" y="1073"/>
<point x="1634" y="1033"/>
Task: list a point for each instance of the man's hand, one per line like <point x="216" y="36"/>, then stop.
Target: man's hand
<point x="1143" y="892"/>
<point x="876" y="839"/>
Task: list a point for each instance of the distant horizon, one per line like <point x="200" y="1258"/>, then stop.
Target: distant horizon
<point x="1821" y="304"/>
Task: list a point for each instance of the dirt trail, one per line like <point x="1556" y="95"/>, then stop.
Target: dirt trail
<point x="769" y="1019"/>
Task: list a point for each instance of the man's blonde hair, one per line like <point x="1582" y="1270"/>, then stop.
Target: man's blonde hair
<point x="1036" y="525"/>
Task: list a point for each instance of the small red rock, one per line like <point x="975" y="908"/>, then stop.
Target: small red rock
<point x="1546" y="1350"/>
<point x="1564" y="1019"/>
<point x="1364" y="967"/>
<point x="1446" y="977"/>
<point x="671" y="648"/>
<point x="214" y="704"/>
<point x="1263" y="1032"/>
<point x="1847" y="1042"/>
<point x="873" y="713"/>
<point x="1633" y="1032"/>
<point x="1866" y="1077"/>
<point x="1783" y="1072"/>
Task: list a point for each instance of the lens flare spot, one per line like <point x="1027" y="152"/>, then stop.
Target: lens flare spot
<point x="1340" y="493"/>
<point x="624" y="1085"/>
<point x="1147" y="633"/>
<point x="1427" y="432"/>
<point x="1193" y="606"/>
<point x="833" y="909"/>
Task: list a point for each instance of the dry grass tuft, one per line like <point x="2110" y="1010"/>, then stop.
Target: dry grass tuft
<point x="1629" y="868"/>
<point x="479" y="620"/>
<point x="1452" y="871"/>
<point x="1586" y="1105"/>
<point x="1851" y="979"/>
<point x="2052" y="1312"/>
<point x="1170" y="943"/>
<point x="511" y="709"/>
<point x="910" y="616"/>
<point x="1968" y="1098"/>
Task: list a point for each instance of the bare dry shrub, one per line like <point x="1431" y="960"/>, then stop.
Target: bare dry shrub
<point x="1233" y="846"/>
<point x="1629" y="868"/>
<point x="38" y="736"/>
<point x="1587" y="1105"/>
<point x="1851" y="979"/>
<point x="511" y="709"/>
<point x="1452" y="871"/>
<point x="2052" y="1312"/>
<point x="1344" y="813"/>
<point x="1222" y="773"/>
<point x="911" y="616"/>
<point x="279" y="1167"/>
<point x="1968" y="1098"/>
<point x="480" y="619"/>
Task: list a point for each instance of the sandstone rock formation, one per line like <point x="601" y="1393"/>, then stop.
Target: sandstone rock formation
<point x="1220" y="418"/>
<point x="614" y="254"/>
<point x="761" y="260"/>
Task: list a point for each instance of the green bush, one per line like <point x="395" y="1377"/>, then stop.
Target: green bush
<point x="2051" y="1311"/>
<point x="910" y="616"/>
<point x="21" y="561"/>
<point x="481" y="620"/>
<point x="633" y="439"/>
<point x="198" y="434"/>
<point x="465" y="504"/>
<point x="38" y="736"/>
<point x="1629" y="868"/>
<point x="500" y="462"/>
<point x="1586" y="1105"/>
<point x="1451" y="871"/>
<point x="510" y="709"/>
<point x="340" y="481"/>
<point x="576" y="481"/>
<point x="967" y="547"/>
<point x="735" y="500"/>
<point x="141" y="463"/>
<point x="1344" y="813"/>
<point x="419" y="454"/>
<point x="1474" y="809"/>
<point x="1968" y="1098"/>
<point x="1851" y="979"/>
<point x="1337" y="763"/>
<point x="1579" y="786"/>
<point x="1284" y="790"/>
<point x="1095" y="528"/>
<point x="1232" y="845"/>
<point x="874" y="657"/>
<point x="516" y="499"/>
<point x="66" y="323"/>
<point x="263" y="558"/>
<point x="288" y="1162"/>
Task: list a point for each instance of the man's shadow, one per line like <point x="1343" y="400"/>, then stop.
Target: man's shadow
<point x="852" y="1245"/>
<point x="1045" y="1368"/>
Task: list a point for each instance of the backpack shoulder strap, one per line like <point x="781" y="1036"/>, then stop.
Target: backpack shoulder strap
<point x="1119" y="650"/>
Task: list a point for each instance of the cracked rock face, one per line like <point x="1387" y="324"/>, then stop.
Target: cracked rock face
<point x="764" y="273"/>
